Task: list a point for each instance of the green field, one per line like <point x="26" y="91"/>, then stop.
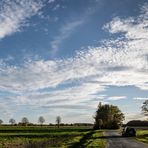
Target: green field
<point x="47" y="137"/>
<point x="142" y="135"/>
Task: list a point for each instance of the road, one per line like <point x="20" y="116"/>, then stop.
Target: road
<point x="115" y="140"/>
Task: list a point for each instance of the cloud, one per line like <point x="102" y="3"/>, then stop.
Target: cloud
<point x="14" y="15"/>
<point x="132" y="27"/>
<point x="138" y="98"/>
<point x="120" y="62"/>
<point x="134" y="116"/>
<point x="114" y="98"/>
<point x="77" y="95"/>
<point x="56" y="7"/>
<point x="65" y="31"/>
<point x="69" y="27"/>
<point x="51" y="1"/>
<point x="117" y="62"/>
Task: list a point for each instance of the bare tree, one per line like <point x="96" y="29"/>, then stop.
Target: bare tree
<point x="58" y="121"/>
<point x="25" y="120"/>
<point x="12" y="121"/>
<point x="41" y="120"/>
<point x="1" y="121"/>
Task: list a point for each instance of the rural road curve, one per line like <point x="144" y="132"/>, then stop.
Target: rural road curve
<point x="115" y="140"/>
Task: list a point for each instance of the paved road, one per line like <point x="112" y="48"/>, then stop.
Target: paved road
<point x="115" y="140"/>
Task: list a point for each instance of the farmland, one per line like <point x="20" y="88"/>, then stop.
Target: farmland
<point x="46" y="136"/>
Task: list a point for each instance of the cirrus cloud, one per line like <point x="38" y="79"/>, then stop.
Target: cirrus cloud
<point x="14" y="14"/>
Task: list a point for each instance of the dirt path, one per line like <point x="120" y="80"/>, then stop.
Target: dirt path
<point x="115" y="140"/>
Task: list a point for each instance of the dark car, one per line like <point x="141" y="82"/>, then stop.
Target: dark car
<point x="129" y="132"/>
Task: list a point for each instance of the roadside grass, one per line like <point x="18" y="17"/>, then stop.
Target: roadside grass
<point x="96" y="140"/>
<point x="91" y="139"/>
<point x="142" y="135"/>
<point x="37" y="137"/>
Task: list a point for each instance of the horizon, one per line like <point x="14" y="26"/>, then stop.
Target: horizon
<point x="63" y="57"/>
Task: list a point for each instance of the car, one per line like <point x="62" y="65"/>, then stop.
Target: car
<point x="129" y="132"/>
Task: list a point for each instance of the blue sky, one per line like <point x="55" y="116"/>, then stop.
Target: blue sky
<point x="63" y="57"/>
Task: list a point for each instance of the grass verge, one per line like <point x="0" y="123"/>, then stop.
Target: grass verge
<point x="91" y="139"/>
<point x="142" y="135"/>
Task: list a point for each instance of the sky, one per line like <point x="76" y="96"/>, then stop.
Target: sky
<point x="63" y="57"/>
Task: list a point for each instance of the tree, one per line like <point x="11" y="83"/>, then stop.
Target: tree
<point x="98" y="124"/>
<point x="1" y="121"/>
<point x="12" y="121"/>
<point x="145" y="107"/>
<point x="25" y="120"/>
<point x="137" y="123"/>
<point x="41" y="120"/>
<point x="58" y="121"/>
<point x="110" y="115"/>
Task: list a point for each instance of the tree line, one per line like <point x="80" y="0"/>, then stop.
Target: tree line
<point x="107" y="117"/>
<point x="26" y="122"/>
<point x="137" y="123"/>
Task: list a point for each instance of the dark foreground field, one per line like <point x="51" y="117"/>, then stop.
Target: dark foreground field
<point x="48" y="137"/>
<point x="67" y="137"/>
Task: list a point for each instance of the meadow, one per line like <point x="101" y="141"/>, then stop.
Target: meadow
<point x="48" y="137"/>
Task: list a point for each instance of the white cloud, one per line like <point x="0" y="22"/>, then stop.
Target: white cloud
<point x="133" y="27"/>
<point x="70" y="96"/>
<point x="139" y="98"/>
<point x="64" y="33"/>
<point x="14" y="15"/>
<point x="51" y="1"/>
<point x="114" y="98"/>
<point x="134" y="116"/>
<point x="69" y="27"/>
<point x="56" y="7"/>
<point x="119" y="62"/>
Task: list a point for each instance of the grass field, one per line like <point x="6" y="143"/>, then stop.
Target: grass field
<point x="45" y="137"/>
<point x="142" y="135"/>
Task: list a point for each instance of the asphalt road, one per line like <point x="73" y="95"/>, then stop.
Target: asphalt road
<point x="115" y="140"/>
